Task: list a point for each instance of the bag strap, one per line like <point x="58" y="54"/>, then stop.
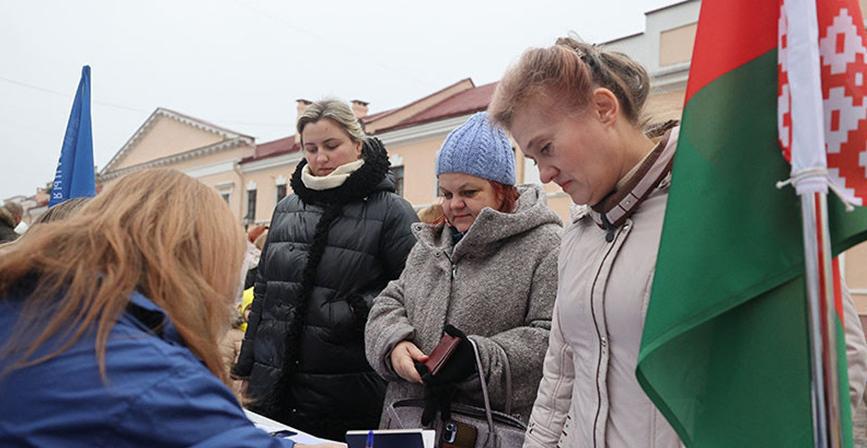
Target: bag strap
<point x="508" y="368"/>
<point x="485" y="398"/>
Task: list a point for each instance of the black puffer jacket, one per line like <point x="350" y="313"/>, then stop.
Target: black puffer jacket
<point x="328" y="387"/>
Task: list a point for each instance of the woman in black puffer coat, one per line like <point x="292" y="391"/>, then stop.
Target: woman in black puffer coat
<point x="333" y="246"/>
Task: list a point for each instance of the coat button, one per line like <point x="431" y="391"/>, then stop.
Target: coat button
<point x="604" y="341"/>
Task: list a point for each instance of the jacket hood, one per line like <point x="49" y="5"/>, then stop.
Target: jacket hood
<point x="492" y="226"/>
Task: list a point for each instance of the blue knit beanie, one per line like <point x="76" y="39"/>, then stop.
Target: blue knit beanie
<point x="480" y="149"/>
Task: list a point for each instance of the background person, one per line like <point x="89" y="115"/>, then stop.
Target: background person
<point x="332" y="247"/>
<point x="230" y="345"/>
<point x="252" y="254"/>
<point x="10" y="216"/>
<point x="58" y="212"/>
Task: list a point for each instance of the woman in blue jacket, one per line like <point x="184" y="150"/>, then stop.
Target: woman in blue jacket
<point x="109" y="323"/>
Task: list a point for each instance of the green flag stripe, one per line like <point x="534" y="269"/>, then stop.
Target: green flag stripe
<point x="725" y="215"/>
<point x="724" y="352"/>
<point x="740" y="380"/>
<point x="843" y="379"/>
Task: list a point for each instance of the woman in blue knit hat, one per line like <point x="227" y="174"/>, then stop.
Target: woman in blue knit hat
<point x="486" y="272"/>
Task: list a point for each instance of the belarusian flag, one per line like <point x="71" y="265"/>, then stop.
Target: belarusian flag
<point x="724" y="353"/>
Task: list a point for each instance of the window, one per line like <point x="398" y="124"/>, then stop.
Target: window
<point x="281" y="192"/>
<point x="251" y="206"/>
<point x="675" y="45"/>
<point x="397" y="173"/>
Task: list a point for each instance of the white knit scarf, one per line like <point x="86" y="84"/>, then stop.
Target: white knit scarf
<point x="331" y="180"/>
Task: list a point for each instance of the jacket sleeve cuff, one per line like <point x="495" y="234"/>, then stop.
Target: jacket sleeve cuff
<point x="538" y="436"/>
<point x="402" y="333"/>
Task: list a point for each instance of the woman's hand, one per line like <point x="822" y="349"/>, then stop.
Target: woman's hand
<point x="403" y="358"/>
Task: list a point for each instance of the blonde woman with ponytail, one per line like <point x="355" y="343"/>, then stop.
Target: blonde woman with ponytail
<point x="576" y="110"/>
<point x="109" y="322"/>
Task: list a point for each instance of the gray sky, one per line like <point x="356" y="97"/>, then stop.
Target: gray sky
<point x="242" y="63"/>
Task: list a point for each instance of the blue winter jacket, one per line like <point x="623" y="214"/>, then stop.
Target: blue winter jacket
<point x="158" y="393"/>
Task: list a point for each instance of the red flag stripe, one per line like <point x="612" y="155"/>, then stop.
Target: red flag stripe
<point x="731" y="33"/>
<point x="838" y="290"/>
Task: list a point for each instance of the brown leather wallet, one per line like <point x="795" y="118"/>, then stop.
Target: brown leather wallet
<point x="441" y="353"/>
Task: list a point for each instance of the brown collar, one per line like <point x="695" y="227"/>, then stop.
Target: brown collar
<point x="612" y="211"/>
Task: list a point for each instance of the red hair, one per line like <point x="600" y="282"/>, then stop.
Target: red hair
<point x="506" y="197"/>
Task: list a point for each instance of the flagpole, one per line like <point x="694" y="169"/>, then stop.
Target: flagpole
<point x="825" y="395"/>
<point x="829" y="327"/>
<point x="799" y="42"/>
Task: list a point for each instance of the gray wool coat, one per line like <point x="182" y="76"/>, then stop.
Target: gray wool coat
<point x="497" y="285"/>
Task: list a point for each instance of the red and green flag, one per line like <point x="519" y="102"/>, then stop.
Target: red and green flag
<point x="725" y="350"/>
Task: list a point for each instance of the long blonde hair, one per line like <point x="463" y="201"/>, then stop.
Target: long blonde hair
<point x="158" y="232"/>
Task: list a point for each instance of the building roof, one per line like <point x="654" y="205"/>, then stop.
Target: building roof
<point x="467" y="101"/>
<point x="655" y="10"/>
<point x="274" y="148"/>
<point x="379" y="115"/>
<point x="197" y="123"/>
<point x="373" y="117"/>
<point x="618" y="39"/>
<point x="462" y="103"/>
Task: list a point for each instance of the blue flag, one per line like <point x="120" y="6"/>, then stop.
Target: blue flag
<point x="75" y="173"/>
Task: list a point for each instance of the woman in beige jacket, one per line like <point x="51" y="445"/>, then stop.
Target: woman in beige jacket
<point x="576" y="110"/>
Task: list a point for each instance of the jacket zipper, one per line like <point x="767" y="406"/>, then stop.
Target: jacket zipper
<point x="599" y="333"/>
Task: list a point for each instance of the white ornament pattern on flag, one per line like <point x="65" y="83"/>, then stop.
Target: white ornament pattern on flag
<point x="841" y="117"/>
<point x="843" y="52"/>
<point x="834" y="175"/>
<point x="784" y="94"/>
<point x="841" y="33"/>
<point x="843" y="55"/>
